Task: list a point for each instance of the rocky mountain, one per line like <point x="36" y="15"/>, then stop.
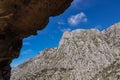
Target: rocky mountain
<point x="81" y="55"/>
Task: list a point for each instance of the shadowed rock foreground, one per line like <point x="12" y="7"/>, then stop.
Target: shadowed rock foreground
<point x="81" y="55"/>
<point x="20" y="19"/>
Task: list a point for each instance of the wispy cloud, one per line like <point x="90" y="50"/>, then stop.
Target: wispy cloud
<point x="77" y="19"/>
<point x="26" y="43"/>
<point x="99" y="27"/>
<point x="76" y="2"/>
<point x="61" y="22"/>
<point x="28" y="51"/>
<point x="65" y="29"/>
<point x="83" y="4"/>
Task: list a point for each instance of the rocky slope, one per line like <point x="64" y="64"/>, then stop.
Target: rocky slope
<point x="81" y="55"/>
<point x="20" y="19"/>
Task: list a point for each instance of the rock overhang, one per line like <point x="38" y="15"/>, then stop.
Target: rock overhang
<point x="20" y="19"/>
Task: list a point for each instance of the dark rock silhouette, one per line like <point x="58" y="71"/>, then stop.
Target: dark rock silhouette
<point x="20" y="19"/>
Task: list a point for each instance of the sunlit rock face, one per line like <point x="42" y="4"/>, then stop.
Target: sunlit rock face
<point x="81" y="55"/>
<point x="20" y="19"/>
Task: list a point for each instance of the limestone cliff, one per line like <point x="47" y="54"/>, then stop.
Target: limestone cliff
<point x="20" y="19"/>
<point x="81" y="55"/>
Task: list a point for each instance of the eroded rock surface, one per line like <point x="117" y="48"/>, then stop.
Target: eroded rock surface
<point x="81" y="55"/>
<point x="20" y="19"/>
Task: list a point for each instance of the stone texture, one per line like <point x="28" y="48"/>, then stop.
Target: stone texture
<point x="81" y="55"/>
<point x="20" y="19"/>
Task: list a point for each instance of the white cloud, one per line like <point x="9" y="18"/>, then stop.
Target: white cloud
<point x="66" y="29"/>
<point x="77" y="19"/>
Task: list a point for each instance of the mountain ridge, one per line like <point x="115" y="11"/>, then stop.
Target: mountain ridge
<point x="81" y="55"/>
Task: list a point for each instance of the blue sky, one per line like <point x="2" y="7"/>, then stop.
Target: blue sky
<point x="82" y="14"/>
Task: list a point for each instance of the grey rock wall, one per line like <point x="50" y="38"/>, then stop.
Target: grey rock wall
<point x="81" y="55"/>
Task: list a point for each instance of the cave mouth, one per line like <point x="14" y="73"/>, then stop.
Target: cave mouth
<point x="18" y="20"/>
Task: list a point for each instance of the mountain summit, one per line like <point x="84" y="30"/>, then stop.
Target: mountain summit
<point x="81" y="55"/>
